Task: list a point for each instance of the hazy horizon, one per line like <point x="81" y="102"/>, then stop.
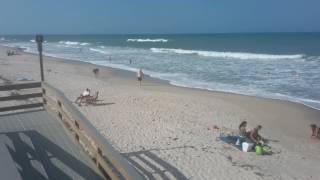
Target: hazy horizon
<point x="151" y="34"/>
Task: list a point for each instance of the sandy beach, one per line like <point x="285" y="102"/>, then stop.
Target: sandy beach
<point x="166" y="131"/>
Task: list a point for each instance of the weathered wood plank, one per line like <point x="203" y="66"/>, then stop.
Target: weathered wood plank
<point x="20" y="97"/>
<point x="20" y="86"/>
<point x="25" y="106"/>
<point x="41" y="149"/>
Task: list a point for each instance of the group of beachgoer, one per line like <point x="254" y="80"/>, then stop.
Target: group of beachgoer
<point x="315" y="131"/>
<point x="252" y="136"/>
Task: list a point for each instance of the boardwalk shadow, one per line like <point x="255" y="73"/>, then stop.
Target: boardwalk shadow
<point x="152" y="167"/>
<point x="39" y="158"/>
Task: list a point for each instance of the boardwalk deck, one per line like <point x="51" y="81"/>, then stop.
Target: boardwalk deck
<point x="40" y="148"/>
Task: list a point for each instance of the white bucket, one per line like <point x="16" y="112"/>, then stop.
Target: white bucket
<point x="247" y="146"/>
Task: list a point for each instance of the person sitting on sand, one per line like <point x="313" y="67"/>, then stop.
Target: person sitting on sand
<point x="242" y="129"/>
<point x="254" y="135"/>
<point x="84" y="94"/>
<point x="243" y="134"/>
<point x="314" y="130"/>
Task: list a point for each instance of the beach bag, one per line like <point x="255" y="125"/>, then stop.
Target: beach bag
<point x="259" y="150"/>
<point x="246" y="146"/>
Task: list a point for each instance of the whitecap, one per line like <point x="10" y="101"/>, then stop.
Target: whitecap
<point x="98" y="50"/>
<point x="69" y="42"/>
<point x="231" y="55"/>
<point x="147" y="40"/>
<point x="84" y="44"/>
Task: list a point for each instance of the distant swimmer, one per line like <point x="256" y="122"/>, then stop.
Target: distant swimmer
<point x="130" y="61"/>
<point x="140" y="76"/>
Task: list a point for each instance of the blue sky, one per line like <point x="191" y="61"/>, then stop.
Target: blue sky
<point x="158" y="16"/>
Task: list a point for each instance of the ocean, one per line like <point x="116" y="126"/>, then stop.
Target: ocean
<point x="282" y="66"/>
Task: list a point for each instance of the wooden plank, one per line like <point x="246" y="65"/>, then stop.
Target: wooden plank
<point x="20" y="97"/>
<point x="25" y="106"/>
<point x="20" y="86"/>
<point x="34" y="138"/>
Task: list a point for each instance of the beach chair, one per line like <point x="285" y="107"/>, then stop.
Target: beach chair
<point x="91" y="99"/>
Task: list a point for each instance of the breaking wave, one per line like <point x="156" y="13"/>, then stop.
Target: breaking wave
<point x="98" y="50"/>
<point x="74" y="43"/>
<point x="147" y="40"/>
<point x="228" y="55"/>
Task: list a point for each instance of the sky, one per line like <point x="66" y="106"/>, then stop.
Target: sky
<point x="158" y="16"/>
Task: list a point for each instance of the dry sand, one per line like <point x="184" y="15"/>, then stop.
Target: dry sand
<point x="166" y="131"/>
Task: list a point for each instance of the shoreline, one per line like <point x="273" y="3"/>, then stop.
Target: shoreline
<point x="129" y="74"/>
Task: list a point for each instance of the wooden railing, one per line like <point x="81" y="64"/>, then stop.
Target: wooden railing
<point x="16" y="96"/>
<point x="109" y="161"/>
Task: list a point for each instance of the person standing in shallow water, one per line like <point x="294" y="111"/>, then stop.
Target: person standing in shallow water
<point x="140" y="76"/>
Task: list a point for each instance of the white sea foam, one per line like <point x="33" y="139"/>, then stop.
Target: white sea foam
<point x="2" y="39"/>
<point x="84" y="44"/>
<point x="98" y="50"/>
<point x="33" y="41"/>
<point x="69" y="42"/>
<point x="147" y="40"/>
<point x="230" y="55"/>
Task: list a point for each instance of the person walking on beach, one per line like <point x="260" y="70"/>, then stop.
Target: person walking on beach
<point x="140" y="76"/>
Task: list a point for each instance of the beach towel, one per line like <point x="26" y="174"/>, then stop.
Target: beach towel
<point x="231" y="140"/>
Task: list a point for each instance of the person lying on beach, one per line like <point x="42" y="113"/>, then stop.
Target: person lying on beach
<point x="254" y="135"/>
<point x="84" y="94"/>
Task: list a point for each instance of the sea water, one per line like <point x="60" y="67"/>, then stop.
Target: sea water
<point x="276" y="65"/>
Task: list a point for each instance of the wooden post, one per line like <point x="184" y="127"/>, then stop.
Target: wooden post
<point x="39" y="40"/>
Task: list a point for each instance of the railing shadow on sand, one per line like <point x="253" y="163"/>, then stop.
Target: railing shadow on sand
<point x="153" y="167"/>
